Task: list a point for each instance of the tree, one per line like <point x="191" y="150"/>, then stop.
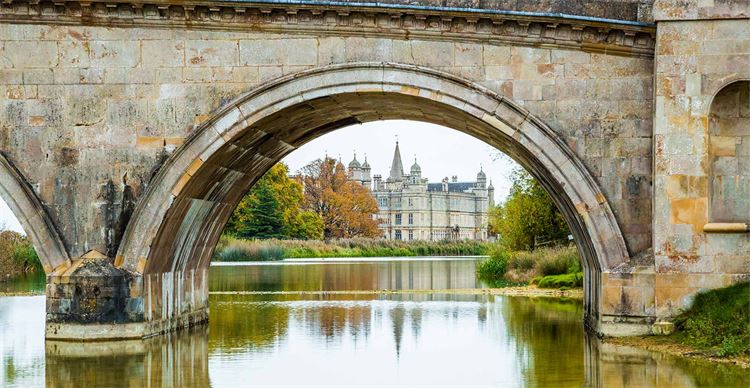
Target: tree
<point x="346" y="207"/>
<point x="273" y="209"/>
<point x="526" y="215"/>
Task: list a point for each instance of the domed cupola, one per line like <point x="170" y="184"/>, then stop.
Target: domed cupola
<point x="481" y="176"/>
<point x="354" y="164"/>
<point x="366" y="165"/>
<point x="415" y="169"/>
<point x="481" y="179"/>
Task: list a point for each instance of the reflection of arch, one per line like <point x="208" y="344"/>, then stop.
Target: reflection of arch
<point x="33" y="218"/>
<point x="729" y="154"/>
<point x="180" y="218"/>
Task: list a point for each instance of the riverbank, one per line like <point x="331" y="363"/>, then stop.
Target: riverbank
<point x="716" y="327"/>
<point x="529" y="291"/>
<point x="549" y="267"/>
<point x="666" y="344"/>
<point x="232" y="249"/>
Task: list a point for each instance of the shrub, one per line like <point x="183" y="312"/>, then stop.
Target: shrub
<point x="494" y="268"/>
<point x="17" y="255"/>
<point x="723" y="311"/>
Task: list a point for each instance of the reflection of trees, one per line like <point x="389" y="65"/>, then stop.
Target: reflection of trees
<point x="237" y="324"/>
<point x="177" y="360"/>
<point x="547" y="331"/>
<point x="383" y="275"/>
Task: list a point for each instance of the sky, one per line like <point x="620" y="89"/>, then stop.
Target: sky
<point x="440" y="151"/>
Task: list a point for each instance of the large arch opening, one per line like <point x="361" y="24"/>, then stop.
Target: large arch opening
<point x="172" y="234"/>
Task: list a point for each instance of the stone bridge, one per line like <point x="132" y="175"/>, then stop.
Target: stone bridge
<point x="130" y="129"/>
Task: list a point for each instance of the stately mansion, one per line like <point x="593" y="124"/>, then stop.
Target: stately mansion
<point x="411" y="208"/>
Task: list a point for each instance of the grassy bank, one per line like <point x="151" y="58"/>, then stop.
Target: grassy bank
<point x="17" y="255"/>
<point x="718" y="322"/>
<point x="555" y="267"/>
<point x="716" y="327"/>
<point x="231" y="249"/>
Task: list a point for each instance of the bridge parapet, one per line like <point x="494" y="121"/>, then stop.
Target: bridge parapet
<point x="395" y="19"/>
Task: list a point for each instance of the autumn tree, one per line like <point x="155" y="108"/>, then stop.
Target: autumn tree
<point x="273" y="209"/>
<point x="527" y="215"/>
<point x="346" y="207"/>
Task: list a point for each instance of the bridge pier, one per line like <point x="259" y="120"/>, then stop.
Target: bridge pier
<point x="94" y="300"/>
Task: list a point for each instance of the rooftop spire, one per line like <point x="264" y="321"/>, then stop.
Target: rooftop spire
<point x="397" y="168"/>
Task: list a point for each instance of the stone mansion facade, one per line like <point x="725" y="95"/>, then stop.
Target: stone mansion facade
<point x="411" y="208"/>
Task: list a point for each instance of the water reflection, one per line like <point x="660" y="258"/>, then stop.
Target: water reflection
<point x="178" y="360"/>
<point x="437" y="274"/>
<point x="340" y="339"/>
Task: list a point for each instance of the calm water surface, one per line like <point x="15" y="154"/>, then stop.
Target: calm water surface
<point x="304" y="329"/>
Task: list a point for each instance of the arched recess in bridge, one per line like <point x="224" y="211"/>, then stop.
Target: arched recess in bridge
<point x="35" y="221"/>
<point x="171" y="236"/>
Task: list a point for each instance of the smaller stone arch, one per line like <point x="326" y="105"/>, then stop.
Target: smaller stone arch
<point x="35" y="221"/>
<point x="729" y="154"/>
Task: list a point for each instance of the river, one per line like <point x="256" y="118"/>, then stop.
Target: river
<point x="319" y="323"/>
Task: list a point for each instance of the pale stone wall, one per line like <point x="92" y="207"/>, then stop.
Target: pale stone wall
<point x="694" y="61"/>
<point x="89" y="117"/>
<point x="434" y="214"/>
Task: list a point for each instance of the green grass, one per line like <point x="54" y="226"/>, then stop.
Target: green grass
<point x="718" y="321"/>
<point x="550" y="267"/>
<point x="562" y="281"/>
<point x="232" y="249"/>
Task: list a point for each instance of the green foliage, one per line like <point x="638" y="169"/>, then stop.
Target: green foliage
<point x="494" y="268"/>
<point x="719" y="321"/>
<point x="522" y="267"/>
<point x="273" y="209"/>
<point x="232" y="249"/>
<point x="527" y="216"/>
<point x="25" y="254"/>
<point x="17" y="255"/>
<point x="568" y="280"/>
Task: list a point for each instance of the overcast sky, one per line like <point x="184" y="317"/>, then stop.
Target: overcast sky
<point x="440" y="151"/>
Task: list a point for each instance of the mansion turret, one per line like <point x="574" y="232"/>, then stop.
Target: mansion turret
<point x="411" y="208"/>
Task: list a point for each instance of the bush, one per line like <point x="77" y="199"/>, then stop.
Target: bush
<point x="493" y="269"/>
<point x="17" y="255"/>
<point x="724" y="312"/>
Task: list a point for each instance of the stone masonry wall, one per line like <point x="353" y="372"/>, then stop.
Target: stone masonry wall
<point x="695" y="60"/>
<point x="88" y="114"/>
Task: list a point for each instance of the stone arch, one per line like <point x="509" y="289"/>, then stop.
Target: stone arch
<point x="175" y="227"/>
<point x="729" y="154"/>
<point x="35" y="221"/>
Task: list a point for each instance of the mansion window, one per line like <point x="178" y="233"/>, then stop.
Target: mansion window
<point x="411" y="235"/>
<point x="398" y="219"/>
<point x="397" y="235"/>
<point x="411" y="219"/>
